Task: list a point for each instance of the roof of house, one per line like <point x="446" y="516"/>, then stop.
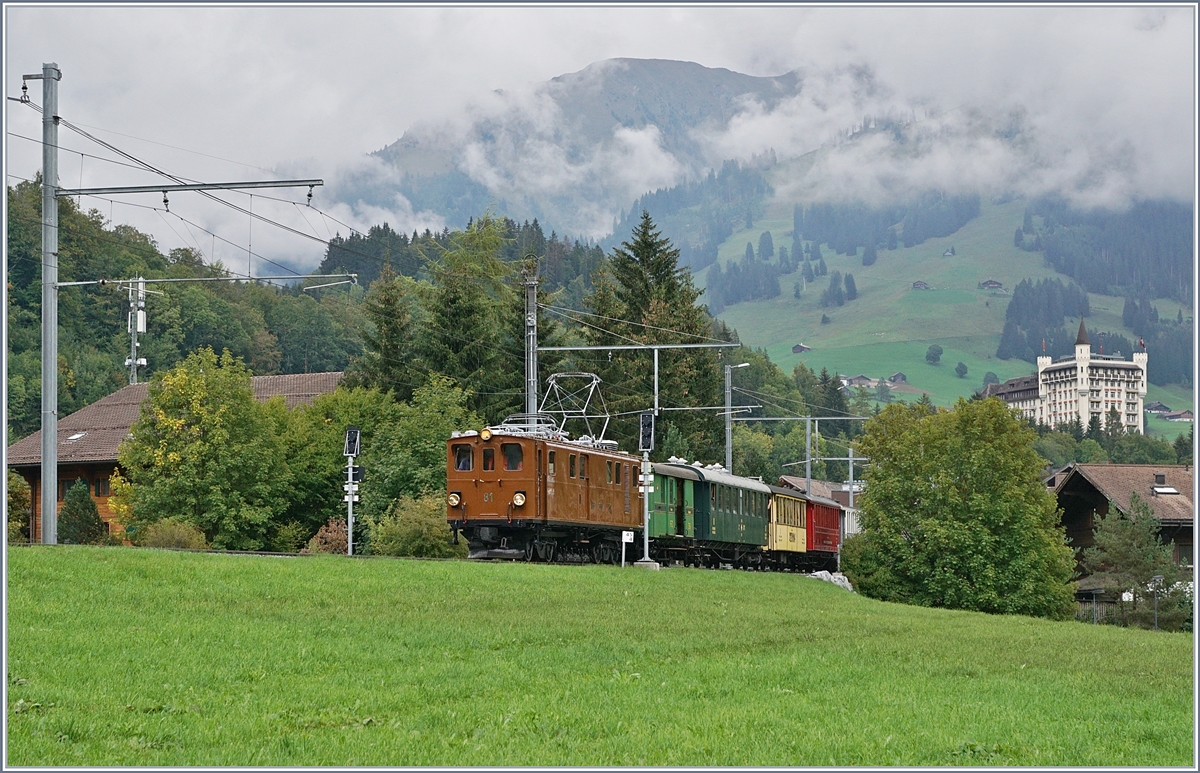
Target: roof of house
<point x="1117" y="482"/>
<point x="93" y="433"/>
<point x="1011" y="387"/>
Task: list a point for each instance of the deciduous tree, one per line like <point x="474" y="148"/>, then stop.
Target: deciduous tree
<point x="954" y="514"/>
<point x="206" y="452"/>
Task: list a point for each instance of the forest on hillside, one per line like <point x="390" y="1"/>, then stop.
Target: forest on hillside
<point x="272" y="327"/>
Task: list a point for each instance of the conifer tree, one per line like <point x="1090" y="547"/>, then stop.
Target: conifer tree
<point x="653" y="300"/>
<point x="79" y="520"/>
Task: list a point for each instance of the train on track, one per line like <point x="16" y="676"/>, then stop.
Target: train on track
<point x="526" y="492"/>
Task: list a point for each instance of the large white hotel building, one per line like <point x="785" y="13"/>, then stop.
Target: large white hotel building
<point x="1079" y="387"/>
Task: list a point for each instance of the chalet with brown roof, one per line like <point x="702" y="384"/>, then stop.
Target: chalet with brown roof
<point x="990" y="284"/>
<point x="1086" y="491"/>
<point x="921" y="285"/>
<point x="89" y="438"/>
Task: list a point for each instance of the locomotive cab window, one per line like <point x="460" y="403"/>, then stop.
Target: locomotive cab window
<point x="583" y="465"/>
<point x="572" y="468"/>
<point x="514" y="456"/>
<point x="618" y="473"/>
<point x="608" y="470"/>
<point x="550" y="465"/>
<point x="463" y="458"/>
<point x="489" y="458"/>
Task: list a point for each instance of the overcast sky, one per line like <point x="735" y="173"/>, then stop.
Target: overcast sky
<point x="310" y="90"/>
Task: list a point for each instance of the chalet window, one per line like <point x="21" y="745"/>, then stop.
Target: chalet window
<point x="608" y="470"/>
<point x="102" y="487"/>
<point x="489" y="459"/>
<point x="550" y="467"/>
<point x="65" y="486"/>
<point x="464" y="460"/>
<point x="572" y="465"/>
<point x="514" y="456"/>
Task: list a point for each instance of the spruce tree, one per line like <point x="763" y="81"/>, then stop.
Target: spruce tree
<point x="851" y="288"/>
<point x="766" y="246"/>
<point x="653" y="300"/>
<point x="79" y="521"/>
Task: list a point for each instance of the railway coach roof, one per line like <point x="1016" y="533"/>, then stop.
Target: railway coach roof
<point x="693" y="472"/>
<point x="791" y="492"/>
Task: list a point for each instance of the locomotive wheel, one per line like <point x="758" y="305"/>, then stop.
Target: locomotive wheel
<point x="530" y="552"/>
<point x="598" y="553"/>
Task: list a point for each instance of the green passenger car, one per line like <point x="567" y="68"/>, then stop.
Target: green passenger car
<point x="708" y="506"/>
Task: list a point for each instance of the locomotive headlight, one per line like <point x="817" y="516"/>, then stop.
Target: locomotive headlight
<point x="454" y="499"/>
<point x="519" y="498"/>
<point x="485" y="435"/>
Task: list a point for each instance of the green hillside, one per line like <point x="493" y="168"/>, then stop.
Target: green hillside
<point x="128" y="657"/>
<point x="890" y="325"/>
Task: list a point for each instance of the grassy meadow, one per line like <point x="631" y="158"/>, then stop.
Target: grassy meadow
<point x="889" y="326"/>
<point x="121" y="656"/>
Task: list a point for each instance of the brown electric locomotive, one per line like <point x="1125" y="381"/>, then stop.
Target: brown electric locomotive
<point x="524" y="493"/>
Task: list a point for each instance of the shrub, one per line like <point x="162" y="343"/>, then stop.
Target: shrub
<point x="18" y="508"/>
<point x="79" y="521"/>
<point x="289" y="537"/>
<point x="415" y="527"/>
<point x="173" y="533"/>
<point x="331" y="538"/>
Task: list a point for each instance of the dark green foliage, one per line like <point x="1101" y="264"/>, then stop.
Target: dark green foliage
<point x="809" y="276"/>
<point x="844" y="226"/>
<point x="1126" y="554"/>
<point x="851" y="288"/>
<point x="407" y="455"/>
<point x="718" y="201"/>
<point x="388" y="361"/>
<point x="752" y="279"/>
<point x="834" y="294"/>
<point x="954" y="514"/>
<point x="990" y="378"/>
<point x="825" y="320"/>
<point x="206" y="452"/>
<point x="1146" y="249"/>
<point x="933" y="354"/>
<point x="1184" y="446"/>
<point x="415" y="527"/>
<point x="273" y="329"/>
<point x="78" y="520"/>
<point x="653" y="300"/>
<point x="961" y="370"/>
<point x="1133" y="448"/>
<point x="870" y="255"/>
<point x="1036" y="314"/>
<point x="766" y="246"/>
<point x="18" y="508"/>
<point x="821" y="269"/>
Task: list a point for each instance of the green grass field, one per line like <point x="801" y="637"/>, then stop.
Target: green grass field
<point x="120" y="656"/>
<point x="890" y="326"/>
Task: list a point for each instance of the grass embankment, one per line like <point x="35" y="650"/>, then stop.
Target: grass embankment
<point x="131" y="657"/>
<point x="889" y="326"/>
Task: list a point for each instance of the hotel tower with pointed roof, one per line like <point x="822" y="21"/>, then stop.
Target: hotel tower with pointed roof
<point x="1080" y="387"/>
